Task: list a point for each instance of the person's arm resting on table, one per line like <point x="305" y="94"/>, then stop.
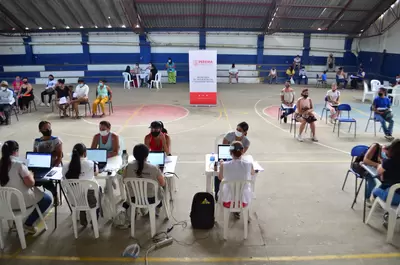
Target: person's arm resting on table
<point x="27" y="176"/>
<point x="115" y="146"/>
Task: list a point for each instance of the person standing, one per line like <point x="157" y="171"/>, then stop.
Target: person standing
<point x="382" y="113"/>
<point x="6" y="102"/>
<point x="287" y="101"/>
<point x="49" y="91"/>
<point x="330" y="63"/>
<point x="170" y="65"/>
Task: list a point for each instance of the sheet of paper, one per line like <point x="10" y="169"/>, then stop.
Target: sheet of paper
<point x="74" y="95"/>
<point x="63" y="100"/>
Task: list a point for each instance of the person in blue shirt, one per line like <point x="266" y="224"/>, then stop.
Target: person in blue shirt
<point x="381" y="107"/>
<point x="324" y="77"/>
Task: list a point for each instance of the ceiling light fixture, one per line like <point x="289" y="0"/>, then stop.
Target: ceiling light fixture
<point x="54" y="27"/>
<point x="109" y="26"/>
<point x="95" y="26"/>
<point x="319" y="28"/>
<point x="81" y="27"/>
<point x="13" y="28"/>
<point x="40" y="28"/>
<point x="27" y="28"/>
<point x="123" y="26"/>
<point x="137" y="26"/>
<point x="109" y="17"/>
<point x="67" y="27"/>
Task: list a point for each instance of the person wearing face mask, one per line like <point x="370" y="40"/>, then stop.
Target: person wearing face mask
<point x="103" y="95"/>
<point x="233" y="73"/>
<point x="79" y="96"/>
<point x="6" y="102"/>
<point x="48" y="144"/>
<point x="49" y="90"/>
<point x="273" y="75"/>
<point x="15" y="174"/>
<point x="152" y="75"/>
<point x="287" y="101"/>
<point x="236" y="170"/>
<point x="305" y="114"/>
<point x="158" y="138"/>
<point x="383" y="113"/>
<point x="17" y="84"/>
<point x="106" y="139"/>
<point x="170" y="66"/>
<point x="63" y="95"/>
<point x="25" y="95"/>
<point x="330" y="63"/>
<point x="332" y="97"/>
<point x="240" y="134"/>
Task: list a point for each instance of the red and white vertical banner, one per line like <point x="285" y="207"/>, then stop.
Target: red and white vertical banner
<point x="203" y="77"/>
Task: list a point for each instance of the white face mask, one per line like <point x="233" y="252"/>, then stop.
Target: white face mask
<point x="238" y="134"/>
<point x="103" y="133"/>
<point x="81" y="85"/>
<point x="397" y="79"/>
<point x="4" y="88"/>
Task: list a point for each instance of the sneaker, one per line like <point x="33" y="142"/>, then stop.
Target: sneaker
<point x="30" y="229"/>
<point x="368" y="202"/>
<point x="388" y="137"/>
<point x="47" y="105"/>
<point x="299" y="138"/>
<point x="42" y="104"/>
<point x="314" y="139"/>
<point x="332" y="121"/>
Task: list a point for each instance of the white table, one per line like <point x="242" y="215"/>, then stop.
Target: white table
<point x="139" y="78"/>
<point x="210" y="173"/>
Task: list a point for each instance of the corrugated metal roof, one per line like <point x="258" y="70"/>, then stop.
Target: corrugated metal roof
<point x="240" y="14"/>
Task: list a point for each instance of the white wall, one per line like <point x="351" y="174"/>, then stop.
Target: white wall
<point x="56" y="43"/>
<point x="12" y="45"/>
<point x="173" y="42"/>
<point x="232" y="43"/>
<point x="113" y="42"/>
<point x="324" y="44"/>
<point x="290" y="44"/>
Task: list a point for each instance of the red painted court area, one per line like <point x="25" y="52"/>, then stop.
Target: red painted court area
<point x="144" y="115"/>
<point x="271" y="111"/>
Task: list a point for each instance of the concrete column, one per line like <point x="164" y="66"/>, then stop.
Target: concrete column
<point x="29" y="56"/>
<point x="260" y="49"/>
<point x="202" y="39"/>
<point x="85" y="46"/>
<point x="306" y="49"/>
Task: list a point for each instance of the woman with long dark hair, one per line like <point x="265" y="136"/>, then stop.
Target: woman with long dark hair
<point x="14" y="174"/>
<point x="158" y="138"/>
<point x="140" y="168"/>
<point x="152" y="75"/>
<point x="81" y="168"/>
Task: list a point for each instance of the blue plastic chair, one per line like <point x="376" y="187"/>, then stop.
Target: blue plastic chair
<point x="356" y="151"/>
<point x="341" y="108"/>
<point x="372" y="118"/>
<point x="281" y="110"/>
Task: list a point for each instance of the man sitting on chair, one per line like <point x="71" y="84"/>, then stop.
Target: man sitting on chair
<point x="381" y="107"/>
<point x="287" y="101"/>
<point x="79" y="96"/>
<point x="6" y="102"/>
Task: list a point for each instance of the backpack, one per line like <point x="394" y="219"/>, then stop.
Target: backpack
<point x="202" y="212"/>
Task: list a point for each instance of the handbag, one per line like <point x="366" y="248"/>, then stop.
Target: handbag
<point x="291" y="81"/>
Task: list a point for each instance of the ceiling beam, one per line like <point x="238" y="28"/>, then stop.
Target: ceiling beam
<point x="199" y="15"/>
<point x="315" y="18"/>
<point x="323" y="7"/>
<point x="201" y="1"/>
<point x="130" y="10"/>
<point x="340" y="14"/>
<point x="12" y="18"/>
<point x="269" y="17"/>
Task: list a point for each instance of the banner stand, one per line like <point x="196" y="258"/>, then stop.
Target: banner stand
<point x="203" y="78"/>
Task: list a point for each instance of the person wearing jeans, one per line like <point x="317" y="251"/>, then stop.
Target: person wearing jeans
<point x="302" y="76"/>
<point x="381" y="107"/>
<point x="49" y="91"/>
<point x="287" y="101"/>
<point x="372" y="158"/>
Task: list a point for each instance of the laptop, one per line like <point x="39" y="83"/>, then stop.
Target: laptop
<point x="39" y="163"/>
<point x="157" y="158"/>
<point x="224" y="152"/>
<point x="99" y="156"/>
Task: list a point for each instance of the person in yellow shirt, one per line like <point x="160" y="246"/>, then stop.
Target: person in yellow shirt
<point x="290" y="72"/>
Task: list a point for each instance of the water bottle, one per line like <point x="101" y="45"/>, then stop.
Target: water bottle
<point x="124" y="158"/>
<point x="212" y="160"/>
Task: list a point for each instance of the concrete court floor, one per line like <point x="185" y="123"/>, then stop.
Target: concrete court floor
<point x="302" y="215"/>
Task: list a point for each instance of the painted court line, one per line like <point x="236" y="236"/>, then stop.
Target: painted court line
<point x="226" y="114"/>
<point x="206" y="259"/>
<point x="134" y="114"/>
<point x="275" y="161"/>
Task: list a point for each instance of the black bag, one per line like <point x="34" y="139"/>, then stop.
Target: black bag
<point x="202" y="212"/>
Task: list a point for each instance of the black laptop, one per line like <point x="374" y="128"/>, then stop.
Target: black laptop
<point x="99" y="156"/>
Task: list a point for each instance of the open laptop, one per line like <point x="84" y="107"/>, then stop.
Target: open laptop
<point x="224" y="152"/>
<point x="39" y="163"/>
<point x="157" y="158"/>
<point x="98" y="156"/>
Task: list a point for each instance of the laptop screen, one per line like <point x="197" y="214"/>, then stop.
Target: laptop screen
<point x="224" y="152"/>
<point x="38" y="160"/>
<point x="156" y="158"/>
<point x="97" y="155"/>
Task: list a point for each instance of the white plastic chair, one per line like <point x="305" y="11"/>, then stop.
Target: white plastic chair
<point x="367" y="92"/>
<point x="386" y="83"/>
<point x="128" y="80"/>
<point x="77" y="193"/>
<point x="236" y="189"/>
<point x="395" y="95"/>
<point x="375" y="84"/>
<point x="6" y="213"/>
<point x="139" y="188"/>
<point x="393" y="211"/>
<point x="157" y="81"/>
